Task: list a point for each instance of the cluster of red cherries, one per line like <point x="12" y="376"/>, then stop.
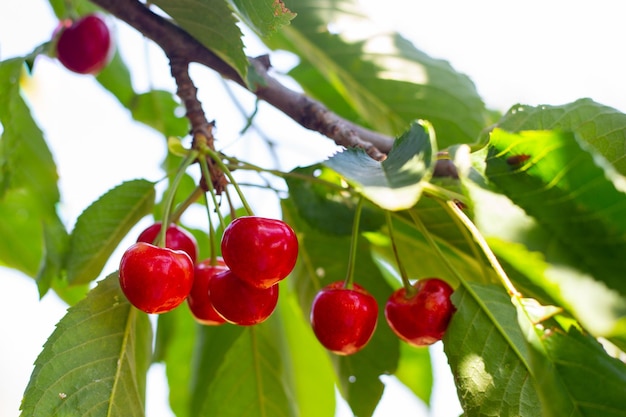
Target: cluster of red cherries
<point x="241" y="287"/>
<point x="344" y="319"/>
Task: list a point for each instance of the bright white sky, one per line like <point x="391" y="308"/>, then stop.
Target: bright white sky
<point x="535" y="52"/>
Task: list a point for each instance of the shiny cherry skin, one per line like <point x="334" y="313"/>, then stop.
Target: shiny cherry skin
<point x="421" y="319"/>
<point x="85" y="46"/>
<point x="154" y="279"/>
<point x="176" y="238"/>
<point x="198" y="301"/>
<point x="344" y="319"/>
<point x="240" y="303"/>
<point x="259" y="250"/>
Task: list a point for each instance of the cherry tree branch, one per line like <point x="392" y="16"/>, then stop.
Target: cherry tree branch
<point x="311" y="114"/>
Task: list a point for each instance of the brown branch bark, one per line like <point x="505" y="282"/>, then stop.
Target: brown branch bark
<point x="178" y="44"/>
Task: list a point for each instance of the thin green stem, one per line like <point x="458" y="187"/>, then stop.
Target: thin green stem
<point x="441" y="193"/>
<point x="484" y="246"/>
<point x="353" y="245"/>
<point x="408" y="288"/>
<point x="169" y="197"/>
<point x="180" y="209"/>
<point x="218" y="160"/>
<point x="206" y="174"/>
<point x="212" y="241"/>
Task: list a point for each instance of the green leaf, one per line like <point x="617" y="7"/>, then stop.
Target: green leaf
<point x="95" y="362"/>
<point x="56" y="244"/>
<point x="574" y="374"/>
<point x="415" y="371"/>
<point x="213" y="24"/>
<point x="157" y="109"/>
<point x="25" y="159"/>
<point x="28" y="177"/>
<point x="101" y="227"/>
<point x="250" y="381"/>
<point x="572" y="192"/>
<point x="488" y="354"/>
<point x="264" y="16"/>
<point x="115" y="77"/>
<point x="321" y="200"/>
<point x="396" y="183"/>
<point x="601" y="126"/>
<point x="174" y="346"/>
<point x="323" y="259"/>
<point x="314" y="396"/>
<point x="384" y="78"/>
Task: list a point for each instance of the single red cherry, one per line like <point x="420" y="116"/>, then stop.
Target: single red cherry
<point x="198" y="300"/>
<point x="85" y="46"/>
<point x="259" y="250"/>
<point x="154" y="279"/>
<point x="344" y="319"/>
<point x="240" y="303"/>
<point x="176" y="238"/>
<point x="422" y="318"/>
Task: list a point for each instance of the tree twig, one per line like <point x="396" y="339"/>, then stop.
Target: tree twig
<point x="304" y="110"/>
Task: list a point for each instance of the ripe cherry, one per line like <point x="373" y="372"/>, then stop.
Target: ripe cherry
<point x="422" y="318"/>
<point x="176" y="238"/>
<point x="198" y="300"/>
<point x="344" y="319"/>
<point x="154" y="279"/>
<point x="240" y="303"/>
<point x="85" y="46"/>
<point x="259" y="250"/>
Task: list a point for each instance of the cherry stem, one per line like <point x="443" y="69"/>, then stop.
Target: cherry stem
<point x="169" y="198"/>
<point x="457" y="213"/>
<point x="180" y="209"/>
<point x="408" y="288"/>
<point x="212" y="242"/>
<point x="206" y="173"/>
<point x="353" y="245"/>
<point x="218" y="161"/>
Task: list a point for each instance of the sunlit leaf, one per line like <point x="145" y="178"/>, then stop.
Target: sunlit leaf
<point x="488" y="354"/>
<point x="383" y="77"/>
<point x="263" y="16"/>
<point x="601" y="126"/>
<point x="102" y="225"/>
<point x="570" y="191"/>
<point x="213" y="24"/>
<point x="395" y="183"/>
<point x="95" y="362"/>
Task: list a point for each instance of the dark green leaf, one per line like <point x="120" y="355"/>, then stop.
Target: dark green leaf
<point x="101" y="227"/>
<point x="575" y="376"/>
<point x="323" y="259"/>
<point x="250" y="380"/>
<point x="601" y="126"/>
<point x="213" y="24"/>
<point x="321" y="200"/>
<point x="56" y="243"/>
<point x="263" y="16"/>
<point x="570" y="191"/>
<point x="384" y="78"/>
<point x="488" y="355"/>
<point x="396" y="183"/>
<point x="95" y="362"/>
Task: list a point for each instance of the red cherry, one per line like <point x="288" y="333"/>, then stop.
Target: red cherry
<point x="344" y="319"/>
<point x="198" y="300"/>
<point x="422" y="319"/>
<point x="85" y="46"/>
<point x="259" y="251"/>
<point x="176" y="238"/>
<point x="154" y="279"/>
<point x="240" y="303"/>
